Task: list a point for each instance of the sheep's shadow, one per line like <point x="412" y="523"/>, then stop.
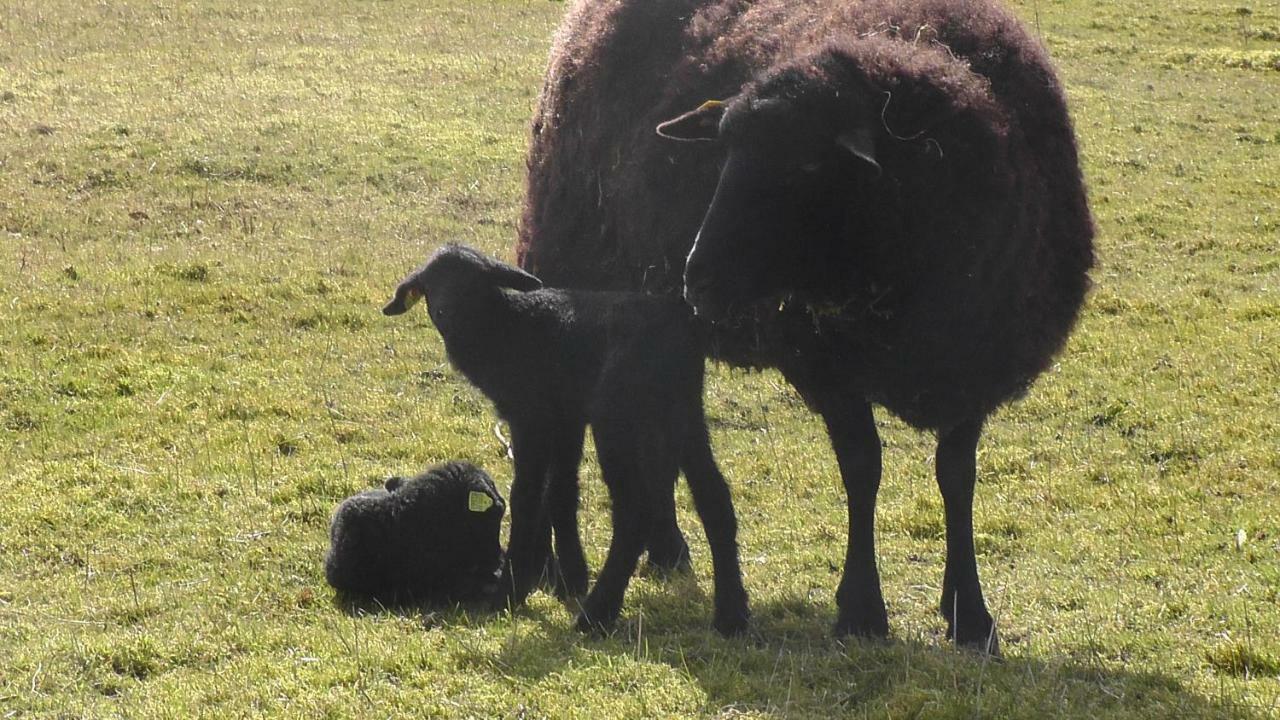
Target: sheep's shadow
<point x="356" y="606"/>
<point x="788" y="665"/>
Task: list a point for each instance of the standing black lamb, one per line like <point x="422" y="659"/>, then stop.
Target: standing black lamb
<point x="554" y="361"/>
<point x="430" y="538"/>
<point x="888" y="207"/>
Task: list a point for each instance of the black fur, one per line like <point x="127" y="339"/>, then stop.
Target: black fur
<point x="419" y="540"/>
<point x="554" y="361"/>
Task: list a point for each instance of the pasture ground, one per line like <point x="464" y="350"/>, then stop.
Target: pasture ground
<point x="205" y="204"/>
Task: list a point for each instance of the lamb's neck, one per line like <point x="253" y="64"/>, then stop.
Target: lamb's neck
<point x="478" y="337"/>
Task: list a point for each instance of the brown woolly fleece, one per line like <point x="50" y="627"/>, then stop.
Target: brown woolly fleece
<point x="959" y="275"/>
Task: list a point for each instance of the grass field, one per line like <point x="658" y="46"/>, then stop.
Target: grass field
<point x="205" y="204"/>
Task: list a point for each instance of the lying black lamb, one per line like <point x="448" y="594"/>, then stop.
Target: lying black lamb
<point x="554" y="361"/>
<point x="429" y="538"/>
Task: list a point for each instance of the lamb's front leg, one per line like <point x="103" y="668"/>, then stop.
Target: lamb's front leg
<point x="527" y="546"/>
<point x="562" y="497"/>
<point x="632" y="514"/>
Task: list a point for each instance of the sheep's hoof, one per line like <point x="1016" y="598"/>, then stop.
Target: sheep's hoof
<point x="983" y="641"/>
<point x="861" y="615"/>
<point x="867" y="627"/>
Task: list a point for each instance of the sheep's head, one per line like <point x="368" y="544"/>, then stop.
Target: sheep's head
<point x="798" y="147"/>
<point x="455" y="269"/>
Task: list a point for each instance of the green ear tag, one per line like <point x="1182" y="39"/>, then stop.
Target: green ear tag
<point x="478" y="501"/>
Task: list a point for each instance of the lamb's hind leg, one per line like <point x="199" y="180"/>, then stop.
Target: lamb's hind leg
<point x="668" y="551"/>
<point x="968" y="622"/>
<point x="632" y="512"/>
<point x="714" y="503"/>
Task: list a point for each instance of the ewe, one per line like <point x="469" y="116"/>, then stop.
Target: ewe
<point x="887" y="203"/>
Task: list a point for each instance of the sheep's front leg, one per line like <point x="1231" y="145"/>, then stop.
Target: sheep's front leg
<point x="968" y="622"/>
<point x="527" y="546"/>
<point x="852" y="428"/>
<point x="632" y="513"/>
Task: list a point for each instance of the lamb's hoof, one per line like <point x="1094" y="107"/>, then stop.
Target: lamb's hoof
<point x="502" y="600"/>
<point x="553" y="580"/>
<point x="597" y="626"/>
<point x="498" y="603"/>
<point x="567" y="592"/>
<point x="732" y="624"/>
<point x="665" y="564"/>
<point x="572" y="585"/>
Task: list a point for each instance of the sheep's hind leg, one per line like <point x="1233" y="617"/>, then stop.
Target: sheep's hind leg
<point x="632" y="513"/>
<point x="968" y="622"/>
<point x="852" y="428"/>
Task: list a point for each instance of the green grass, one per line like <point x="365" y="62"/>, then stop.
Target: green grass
<point x="203" y="205"/>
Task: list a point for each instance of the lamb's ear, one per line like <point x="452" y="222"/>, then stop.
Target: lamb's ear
<point x="700" y="124"/>
<point x="407" y="295"/>
<point x="505" y="275"/>
<point x="861" y="144"/>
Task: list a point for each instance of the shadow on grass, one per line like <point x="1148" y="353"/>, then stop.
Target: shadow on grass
<point x="429" y="610"/>
<point x="789" y="665"/>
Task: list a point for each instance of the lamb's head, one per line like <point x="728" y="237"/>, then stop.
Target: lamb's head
<point x="454" y="274"/>
<point x="799" y="149"/>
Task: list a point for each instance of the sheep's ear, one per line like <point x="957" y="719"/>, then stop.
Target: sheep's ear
<point x="505" y="275"/>
<point x="701" y="124"/>
<point x="407" y="295"/>
<point x="861" y="144"/>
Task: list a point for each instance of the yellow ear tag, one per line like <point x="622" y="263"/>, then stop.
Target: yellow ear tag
<point x="711" y="105"/>
<point x="478" y="502"/>
<point x="411" y="298"/>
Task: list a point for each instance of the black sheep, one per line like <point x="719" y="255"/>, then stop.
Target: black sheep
<point x="430" y="538"/>
<point x="553" y="362"/>
<point x="888" y="208"/>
